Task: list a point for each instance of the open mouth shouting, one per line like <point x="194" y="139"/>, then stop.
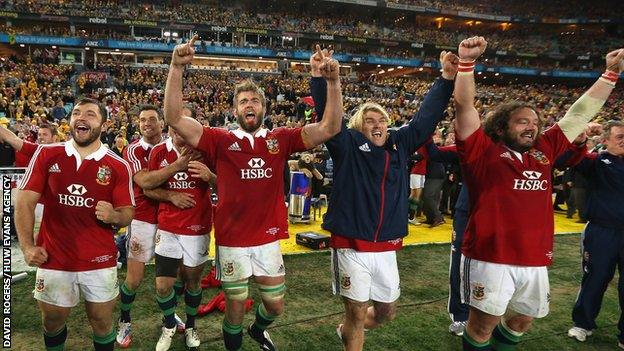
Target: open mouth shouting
<point x="250" y="117"/>
<point x="377" y="136"/>
<point x="82" y="130"/>
<point x="527" y="137"/>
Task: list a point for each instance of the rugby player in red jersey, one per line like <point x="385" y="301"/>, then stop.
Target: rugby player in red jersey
<point x="507" y="166"/>
<point x="250" y="217"/>
<point x="87" y="193"/>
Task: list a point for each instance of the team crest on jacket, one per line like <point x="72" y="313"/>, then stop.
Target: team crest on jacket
<point x="272" y="145"/>
<point x="345" y="282"/>
<point x="539" y="156"/>
<point x="39" y="285"/>
<point x="228" y="268"/>
<point x="104" y="175"/>
<point x="478" y="292"/>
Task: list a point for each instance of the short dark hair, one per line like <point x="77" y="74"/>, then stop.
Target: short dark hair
<point x="101" y="107"/>
<point x="50" y="127"/>
<point x="498" y="119"/>
<point x="149" y="107"/>
<point x="606" y="130"/>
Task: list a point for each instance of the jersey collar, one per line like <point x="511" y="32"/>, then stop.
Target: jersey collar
<point x="144" y="144"/>
<point x="261" y="133"/>
<point x="169" y="145"/>
<point x="70" y="150"/>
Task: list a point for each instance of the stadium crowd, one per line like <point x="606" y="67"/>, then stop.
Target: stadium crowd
<point x="32" y="94"/>
<point x="37" y="92"/>
<point x="516" y="37"/>
<point x="556" y="9"/>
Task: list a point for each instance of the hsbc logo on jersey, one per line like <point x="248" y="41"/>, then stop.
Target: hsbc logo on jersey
<point x="180" y="176"/>
<point x="532" y="182"/>
<point x="182" y="182"/>
<point x="75" y="197"/>
<point x="532" y="174"/>
<point x="256" y="171"/>
<point x="77" y="189"/>
<point x="256" y="163"/>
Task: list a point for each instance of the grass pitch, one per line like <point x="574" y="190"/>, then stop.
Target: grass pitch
<point x="312" y="312"/>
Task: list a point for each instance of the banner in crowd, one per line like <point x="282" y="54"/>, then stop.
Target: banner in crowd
<point x="269" y="53"/>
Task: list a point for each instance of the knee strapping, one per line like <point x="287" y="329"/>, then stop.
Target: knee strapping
<point x="272" y="292"/>
<point x="237" y="291"/>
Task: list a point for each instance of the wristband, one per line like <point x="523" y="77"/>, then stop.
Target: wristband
<point x="466" y="66"/>
<point x="609" y="77"/>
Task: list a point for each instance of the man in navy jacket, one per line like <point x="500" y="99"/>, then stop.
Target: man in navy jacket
<point x="368" y="208"/>
<point x="603" y="245"/>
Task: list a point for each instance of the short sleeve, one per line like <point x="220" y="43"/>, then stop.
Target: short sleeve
<point x="36" y="177"/>
<point x="471" y="149"/>
<point x="292" y="138"/>
<point x="123" y="195"/>
<point x="209" y="140"/>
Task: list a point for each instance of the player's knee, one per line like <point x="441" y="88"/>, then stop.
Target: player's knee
<point x="356" y="311"/>
<point x="236" y="291"/>
<point x="192" y="285"/>
<point x="163" y="290"/>
<point x="517" y="323"/>
<point x="52" y="323"/>
<point x="385" y="313"/>
<point x="479" y="331"/>
<point x="101" y="325"/>
<point x="274" y="308"/>
<point x="133" y="282"/>
<point x="273" y="298"/>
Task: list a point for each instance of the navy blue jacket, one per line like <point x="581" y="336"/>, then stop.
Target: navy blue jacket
<point x="605" y="189"/>
<point x="369" y="197"/>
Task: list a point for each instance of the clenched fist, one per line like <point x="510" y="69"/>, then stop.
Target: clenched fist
<point x="183" y="54"/>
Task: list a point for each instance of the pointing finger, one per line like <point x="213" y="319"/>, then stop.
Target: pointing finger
<point x="193" y="39"/>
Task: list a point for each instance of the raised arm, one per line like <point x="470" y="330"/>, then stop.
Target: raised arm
<point x="190" y="129"/>
<point x="465" y="90"/>
<point x="588" y="105"/>
<point x="322" y="65"/>
<point x="7" y="136"/>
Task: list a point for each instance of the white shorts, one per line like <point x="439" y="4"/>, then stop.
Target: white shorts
<point x="238" y="263"/>
<point x="192" y="249"/>
<point x="494" y="288"/>
<point x="63" y="288"/>
<point x="417" y="181"/>
<point x="364" y="276"/>
<point x="140" y="241"/>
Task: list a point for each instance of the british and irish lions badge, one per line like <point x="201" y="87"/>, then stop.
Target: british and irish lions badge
<point x="272" y="146"/>
<point x="104" y="175"/>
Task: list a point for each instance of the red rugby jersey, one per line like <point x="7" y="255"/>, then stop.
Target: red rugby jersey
<point x="191" y="221"/>
<point x="250" y="183"/>
<point x="511" y="217"/>
<point x="137" y="155"/>
<point x="22" y="157"/>
<point x="70" y="189"/>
